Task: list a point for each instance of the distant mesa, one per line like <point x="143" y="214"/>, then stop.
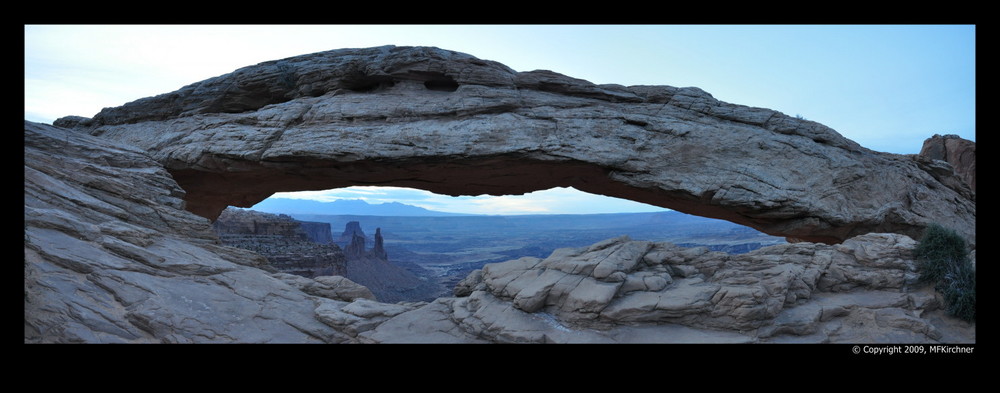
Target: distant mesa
<point x="352" y="229"/>
<point x="290" y="246"/>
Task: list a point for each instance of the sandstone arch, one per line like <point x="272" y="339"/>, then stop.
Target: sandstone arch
<point x="453" y="124"/>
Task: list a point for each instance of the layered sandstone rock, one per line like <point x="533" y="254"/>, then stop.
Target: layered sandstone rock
<point x="289" y="248"/>
<point x="454" y="124"/>
<point x="864" y="290"/>
<point x="318" y="232"/>
<point x="111" y="256"/>
<point x="353" y="228"/>
<point x="286" y="244"/>
<point x="620" y="280"/>
<point x="957" y="152"/>
<point x="249" y="222"/>
<point x="378" y="250"/>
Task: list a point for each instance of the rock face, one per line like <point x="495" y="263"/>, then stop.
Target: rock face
<point x="959" y="153"/>
<point x="288" y="247"/>
<point x="864" y="290"/>
<point x="355" y="241"/>
<point x="318" y="232"/>
<point x="451" y="123"/>
<point x="356" y="248"/>
<point x="619" y="280"/>
<point x="249" y="222"/>
<point x="110" y="255"/>
<point x="372" y="268"/>
<point x="378" y="251"/>
<point x="352" y="229"/>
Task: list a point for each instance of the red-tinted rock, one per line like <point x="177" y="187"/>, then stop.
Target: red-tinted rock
<point x="959" y="152"/>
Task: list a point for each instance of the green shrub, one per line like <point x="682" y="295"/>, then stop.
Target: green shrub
<point x="938" y="249"/>
<point x="942" y="259"/>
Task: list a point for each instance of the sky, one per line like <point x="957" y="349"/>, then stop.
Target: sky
<point x="887" y="87"/>
<point x="558" y="200"/>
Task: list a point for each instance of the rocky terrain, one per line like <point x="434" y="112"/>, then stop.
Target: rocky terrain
<point x="957" y="152"/>
<point x="283" y="241"/>
<point x="297" y="247"/>
<point x="373" y="269"/>
<point x="863" y="290"/>
<point x="318" y="232"/>
<point x="447" y="249"/>
<point x="110" y="255"/>
<point x="119" y="245"/>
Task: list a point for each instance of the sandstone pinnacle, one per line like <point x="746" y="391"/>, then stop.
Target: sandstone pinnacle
<point x="378" y="251"/>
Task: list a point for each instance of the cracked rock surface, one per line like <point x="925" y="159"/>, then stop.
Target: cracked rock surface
<point x="111" y="256"/>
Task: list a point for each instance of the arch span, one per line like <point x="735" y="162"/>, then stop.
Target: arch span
<point x="453" y="124"/>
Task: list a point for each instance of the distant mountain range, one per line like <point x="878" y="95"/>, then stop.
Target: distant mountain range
<point x="345" y="207"/>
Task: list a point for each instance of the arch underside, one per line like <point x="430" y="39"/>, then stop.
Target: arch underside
<point x="208" y="193"/>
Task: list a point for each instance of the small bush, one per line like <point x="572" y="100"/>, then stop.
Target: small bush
<point x="938" y="249"/>
<point x="942" y="259"/>
<point x="959" y="289"/>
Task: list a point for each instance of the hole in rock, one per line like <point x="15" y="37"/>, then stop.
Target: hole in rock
<point x="407" y="244"/>
<point x="367" y="83"/>
<point x="441" y="85"/>
<point x="436" y="81"/>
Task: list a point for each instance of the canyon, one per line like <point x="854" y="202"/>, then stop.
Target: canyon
<point x="120" y="247"/>
<point x="307" y="249"/>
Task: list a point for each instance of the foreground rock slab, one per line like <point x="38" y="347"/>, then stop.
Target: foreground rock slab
<point x="451" y="123"/>
<point x="622" y="291"/>
<point x="110" y="256"/>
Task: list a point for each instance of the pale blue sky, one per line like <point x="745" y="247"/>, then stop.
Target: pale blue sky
<point x="885" y="87"/>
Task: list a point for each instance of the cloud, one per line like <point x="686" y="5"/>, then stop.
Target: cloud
<point x="321" y="196"/>
<point x="510" y="204"/>
<point x="372" y="195"/>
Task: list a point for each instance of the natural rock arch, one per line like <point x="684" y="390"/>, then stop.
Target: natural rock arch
<point x="450" y="123"/>
<point x="111" y="257"/>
